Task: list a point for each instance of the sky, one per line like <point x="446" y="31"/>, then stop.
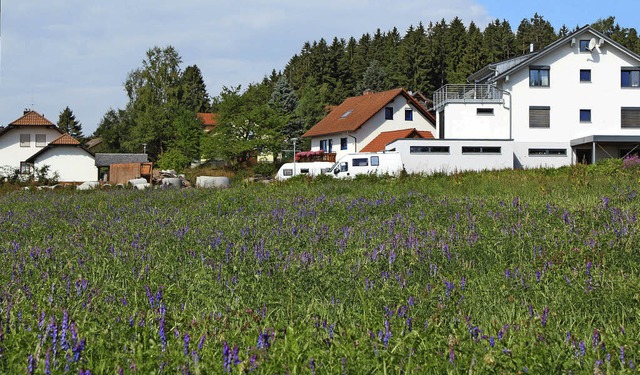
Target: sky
<point x="77" y="53"/>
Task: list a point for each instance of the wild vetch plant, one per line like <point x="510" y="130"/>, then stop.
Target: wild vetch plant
<point x="490" y="274"/>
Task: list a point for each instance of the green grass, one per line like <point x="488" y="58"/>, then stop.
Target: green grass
<point x="377" y="275"/>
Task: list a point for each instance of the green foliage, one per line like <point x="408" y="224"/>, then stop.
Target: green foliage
<point x="472" y="273"/>
<point x="67" y="123"/>
<point x="173" y="159"/>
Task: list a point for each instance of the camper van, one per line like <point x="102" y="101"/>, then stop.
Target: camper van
<point x="378" y="163"/>
<point x="312" y="169"/>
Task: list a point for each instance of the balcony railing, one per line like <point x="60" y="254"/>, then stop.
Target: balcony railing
<point x="466" y="94"/>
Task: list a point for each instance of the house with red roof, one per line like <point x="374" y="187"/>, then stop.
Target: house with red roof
<point x="33" y="141"/>
<point x="370" y="121"/>
<point x="209" y="121"/>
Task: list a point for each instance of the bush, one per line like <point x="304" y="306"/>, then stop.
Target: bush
<point x="609" y="167"/>
<point x="173" y="159"/>
<point x="265" y="169"/>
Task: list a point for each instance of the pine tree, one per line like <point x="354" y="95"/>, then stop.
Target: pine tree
<point x="193" y="93"/>
<point x="373" y="79"/>
<point x="67" y="123"/>
<point x="473" y="59"/>
<point x="536" y="31"/>
<point x="456" y="41"/>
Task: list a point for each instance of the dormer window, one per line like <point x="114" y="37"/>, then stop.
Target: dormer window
<point x="539" y="76"/>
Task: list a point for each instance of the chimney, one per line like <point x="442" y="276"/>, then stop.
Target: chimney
<point x="530" y="47"/>
<point x="367" y="92"/>
<point x="26" y="110"/>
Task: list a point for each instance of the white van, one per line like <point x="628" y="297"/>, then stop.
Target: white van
<point x="312" y="169"/>
<point x="378" y="163"/>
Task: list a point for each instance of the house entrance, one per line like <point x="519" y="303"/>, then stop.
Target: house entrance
<point x="583" y="156"/>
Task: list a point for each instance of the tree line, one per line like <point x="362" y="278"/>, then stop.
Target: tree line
<point x="266" y="115"/>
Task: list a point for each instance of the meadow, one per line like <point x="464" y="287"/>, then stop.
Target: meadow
<point x="501" y="272"/>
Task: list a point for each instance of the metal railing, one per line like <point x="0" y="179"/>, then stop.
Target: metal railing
<point x="473" y="93"/>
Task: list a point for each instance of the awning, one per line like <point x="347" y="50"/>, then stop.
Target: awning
<point x="605" y="139"/>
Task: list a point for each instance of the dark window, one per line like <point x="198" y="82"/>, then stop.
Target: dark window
<point x="388" y="113"/>
<point x="480" y="150"/>
<point x="360" y="162"/>
<point x="547" y="152"/>
<point x="330" y="148"/>
<point x="630" y="117"/>
<point x="539" y="76"/>
<point x="287" y="172"/>
<point x="304" y="170"/>
<point x="408" y="114"/>
<point x="484" y="111"/>
<point x="539" y="117"/>
<point x="429" y="149"/>
<point x="25" y="140"/>
<point x="375" y="161"/>
<point x="344" y="167"/>
<point x="630" y="77"/>
<point x="25" y="168"/>
<point x="584" y="46"/>
<point x="585" y="75"/>
<point x="343" y="143"/>
<point x="324" y="145"/>
<point x="585" y="115"/>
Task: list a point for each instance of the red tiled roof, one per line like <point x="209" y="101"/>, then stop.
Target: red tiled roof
<point x="209" y="120"/>
<point x="356" y="111"/>
<point x="65" y="139"/>
<point x="32" y="118"/>
<point x="384" y="138"/>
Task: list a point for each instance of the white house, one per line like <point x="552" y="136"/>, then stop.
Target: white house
<point x="577" y="100"/>
<point x="358" y="121"/>
<point x="67" y="157"/>
<point x="33" y="141"/>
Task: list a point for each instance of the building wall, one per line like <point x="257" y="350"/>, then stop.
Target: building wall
<point x="464" y="121"/>
<point x="454" y="160"/>
<point x="73" y="164"/>
<point x="11" y="153"/>
<point x="376" y="125"/>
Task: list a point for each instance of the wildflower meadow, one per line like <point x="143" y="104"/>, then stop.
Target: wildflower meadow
<point x="502" y="272"/>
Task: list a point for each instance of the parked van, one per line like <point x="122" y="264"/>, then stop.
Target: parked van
<point x="312" y="169"/>
<point x="378" y="163"/>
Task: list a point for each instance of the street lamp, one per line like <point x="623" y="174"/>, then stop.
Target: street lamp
<point x="144" y="148"/>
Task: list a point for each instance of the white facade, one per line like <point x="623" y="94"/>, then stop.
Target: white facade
<point x="12" y="151"/>
<point x="429" y="156"/>
<point x="72" y="163"/>
<point x="580" y="94"/>
<point x="350" y="142"/>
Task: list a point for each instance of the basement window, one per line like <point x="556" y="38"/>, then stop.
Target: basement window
<point x="481" y="150"/>
<point x="429" y="149"/>
<point x="547" y="152"/>
<point x="484" y="111"/>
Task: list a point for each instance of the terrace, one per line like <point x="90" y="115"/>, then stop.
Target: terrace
<point x="473" y="93"/>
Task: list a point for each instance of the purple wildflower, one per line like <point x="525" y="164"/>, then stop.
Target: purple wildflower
<point x="452" y="355"/>
<point x="201" y="342"/>
<point x="64" y="344"/>
<point x="622" y="355"/>
<point x="226" y="357"/>
<point x="492" y="341"/>
<point x="31" y="364"/>
<point x="186" y="340"/>
<point x="545" y="315"/>
<point x="47" y="363"/>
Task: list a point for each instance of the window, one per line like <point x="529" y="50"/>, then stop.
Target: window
<point x="41" y="140"/>
<point x="408" y="114"/>
<point x="480" y="150"/>
<point x="343" y="143"/>
<point x="324" y="145"/>
<point x="547" y="152"/>
<point x="484" y="111"/>
<point x="388" y="113"/>
<point x="347" y="113"/>
<point x="287" y="172"/>
<point x="539" y="117"/>
<point x="585" y="115"/>
<point x="25" y="140"/>
<point x="585" y="75"/>
<point x="344" y="167"/>
<point x="428" y="149"/>
<point x="360" y="162"/>
<point x="375" y="161"/>
<point x="584" y="45"/>
<point x="304" y="170"/>
<point x="330" y="148"/>
<point x="630" y="77"/>
<point x="25" y="168"/>
<point x="539" y="76"/>
<point x="630" y="117"/>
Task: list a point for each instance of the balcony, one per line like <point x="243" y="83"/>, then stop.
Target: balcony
<point x="479" y="94"/>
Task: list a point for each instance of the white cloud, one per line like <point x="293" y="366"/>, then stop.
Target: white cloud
<point x="77" y="53"/>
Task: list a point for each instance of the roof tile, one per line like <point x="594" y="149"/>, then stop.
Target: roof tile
<point x="32" y="118"/>
<point x="65" y="139"/>
<point x="384" y="138"/>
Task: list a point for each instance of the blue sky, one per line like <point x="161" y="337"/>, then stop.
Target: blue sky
<point x="77" y="53"/>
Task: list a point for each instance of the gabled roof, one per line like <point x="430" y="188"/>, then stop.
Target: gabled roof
<point x="29" y="119"/>
<point x="93" y="142"/>
<point x="63" y="140"/>
<point x="105" y="159"/>
<point x="494" y="72"/>
<point x="209" y="120"/>
<point x="383" y="139"/>
<point x="356" y="111"/>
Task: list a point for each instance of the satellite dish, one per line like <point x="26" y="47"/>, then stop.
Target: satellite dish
<point x="592" y="44"/>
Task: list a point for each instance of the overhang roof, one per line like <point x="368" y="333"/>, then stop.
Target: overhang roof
<point x="63" y="140"/>
<point x="605" y="139"/>
<point x="356" y="111"/>
<point x="106" y="159"/>
<point x="383" y="139"/>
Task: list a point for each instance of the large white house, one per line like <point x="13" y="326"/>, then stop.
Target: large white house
<point x="577" y="100"/>
<point x="33" y="141"/>
<point x="368" y="122"/>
